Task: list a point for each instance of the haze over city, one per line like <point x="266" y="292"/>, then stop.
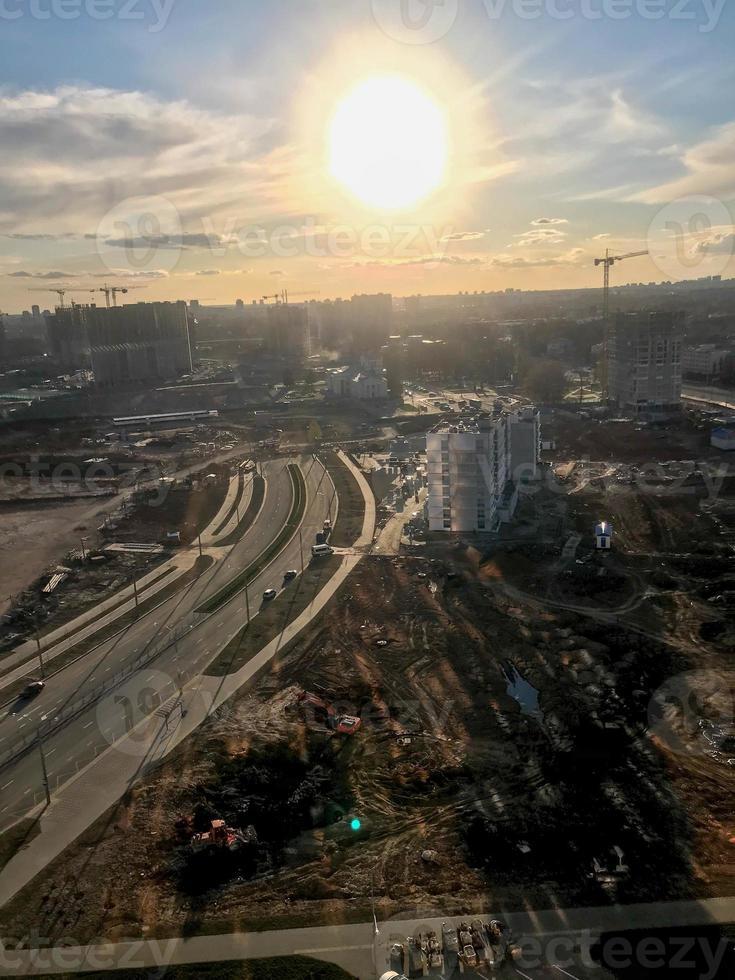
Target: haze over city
<point x="258" y="149"/>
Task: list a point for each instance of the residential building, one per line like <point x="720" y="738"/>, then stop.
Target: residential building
<point x="139" y="342"/>
<point x="288" y="331"/>
<point x="68" y="341"/>
<point x="703" y="361"/>
<point x="645" y="363"/>
<point x="473" y="473"/>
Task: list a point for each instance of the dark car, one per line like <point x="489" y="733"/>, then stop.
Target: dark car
<point x="32" y="690"/>
<point x="290" y="574"/>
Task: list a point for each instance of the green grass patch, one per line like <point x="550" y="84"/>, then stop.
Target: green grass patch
<point x="274" y="616"/>
<point x="348" y="526"/>
<point x="256" y="502"/>
<point x="272" y="968"/>
<point x="238" y="583"/>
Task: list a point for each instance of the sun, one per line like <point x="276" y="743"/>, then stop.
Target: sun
<point x="388" y="143"/>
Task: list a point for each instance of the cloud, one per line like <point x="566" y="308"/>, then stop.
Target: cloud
<point x="208" y="272"/>
<point x="719" y="244"/>
<point x="575" y="256"/>
<point x="709" y="170"/>
<point x="23" y="274"/>
<point x="550" y="221"/>
<point x="74" y="153"/>
<point x="464" y="236"/>
<point x="601" y="236"/>
<point x="540" y="236"/>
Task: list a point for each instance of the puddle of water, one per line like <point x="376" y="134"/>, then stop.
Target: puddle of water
<point x="524" y="693"/>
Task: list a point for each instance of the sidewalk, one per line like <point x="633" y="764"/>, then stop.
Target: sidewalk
<point x="103" y="782"/>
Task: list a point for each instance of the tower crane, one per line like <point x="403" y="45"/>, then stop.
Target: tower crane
<point x="61" y="293"/>
<point x="113" y="291"/>
<point x="607" y="262"/>
<point x="282" y="297"/>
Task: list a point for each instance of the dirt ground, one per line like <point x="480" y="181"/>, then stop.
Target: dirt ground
<point x="529" y="739"/>
<point x="514" y="796"/>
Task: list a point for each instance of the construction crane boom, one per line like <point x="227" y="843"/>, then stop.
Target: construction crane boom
<point x="607" y="262"/>
<point x="61" y="293"/>
<point x="112" y="291"/>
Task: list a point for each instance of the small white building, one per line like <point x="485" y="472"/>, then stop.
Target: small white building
<point x="603" y="536"/>
<point x="366" y="382"/>
<point x="723" y="439"/>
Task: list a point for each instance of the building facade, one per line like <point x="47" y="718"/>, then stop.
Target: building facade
<point x="138" y="343"/>
<point x="474" y="470"/>
<point x="645" y="363"/>
<point x="366" y="382"/>
<point x="703" y="361"/>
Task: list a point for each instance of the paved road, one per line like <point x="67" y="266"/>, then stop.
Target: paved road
<point x="555" y="942"/>
<point x="187" y="642"/>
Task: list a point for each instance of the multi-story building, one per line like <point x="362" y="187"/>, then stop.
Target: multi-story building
<point x="139" y="342"/>
<point x="66" y="330"/>
<point x="474" y="469"/>
<point x="645" y="362"/>
<point x="288" y="333"/>
<point x="703" y="361"/>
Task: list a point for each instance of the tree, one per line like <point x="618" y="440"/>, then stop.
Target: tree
<point x="545" y="381"/>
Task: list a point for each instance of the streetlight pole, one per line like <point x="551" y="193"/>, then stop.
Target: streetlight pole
<point x="43" y="768"/>
<point x="135" y="591"/>
<point x="84" y="553"/>
<point x="199" y="539"/>
<point x="247" y="603"/>
<point x="301" y="549"/>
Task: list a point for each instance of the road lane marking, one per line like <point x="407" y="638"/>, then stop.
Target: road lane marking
<point x="88" y="725"/>
<point x="555" y="967"/>
<point x="7" y="784"/>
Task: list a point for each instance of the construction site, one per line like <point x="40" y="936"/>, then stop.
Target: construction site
<point x="469" y="725"/>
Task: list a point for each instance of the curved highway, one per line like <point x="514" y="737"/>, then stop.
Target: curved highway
<point x="179" y="642"/>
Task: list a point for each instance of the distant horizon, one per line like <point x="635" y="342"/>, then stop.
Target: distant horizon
<point x="248" y="303"/>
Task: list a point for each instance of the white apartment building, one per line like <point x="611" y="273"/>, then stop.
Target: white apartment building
<point x="474" y="470"/>
<point x="704" y="361"/>
<point x="645" y="362"/>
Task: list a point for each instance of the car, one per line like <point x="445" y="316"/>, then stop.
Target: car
<point x="32" y="689"/>
<point x="269" y="594"/>
<point x="290" y="574"/>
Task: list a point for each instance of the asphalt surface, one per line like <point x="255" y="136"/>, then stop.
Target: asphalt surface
<point x="182" y="642"/>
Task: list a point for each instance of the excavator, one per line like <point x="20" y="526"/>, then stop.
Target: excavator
<point x="220" y="835"/>
<point x="323" y="711"/>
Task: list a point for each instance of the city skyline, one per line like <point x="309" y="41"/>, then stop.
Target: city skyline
<point x="196" y="154"/>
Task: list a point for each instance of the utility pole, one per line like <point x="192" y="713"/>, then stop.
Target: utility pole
<point x="135" y="591"/>
<point x="247" y="603"/>
<point x="199" y="539"/>
<point x="43" y="768"/>
<point x="84" y="553"/>
<point x="301" y="549"/>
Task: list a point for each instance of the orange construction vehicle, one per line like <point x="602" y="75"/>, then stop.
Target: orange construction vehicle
<point x="218" y="835"/>
<point x="324" y="712"/>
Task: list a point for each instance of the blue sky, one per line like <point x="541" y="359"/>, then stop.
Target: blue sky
<point x="568" y="134"/>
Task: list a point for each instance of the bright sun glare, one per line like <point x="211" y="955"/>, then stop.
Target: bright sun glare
<point x="388" y="143"/>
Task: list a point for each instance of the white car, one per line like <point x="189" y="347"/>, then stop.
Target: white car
<point x="269" y="594"/>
